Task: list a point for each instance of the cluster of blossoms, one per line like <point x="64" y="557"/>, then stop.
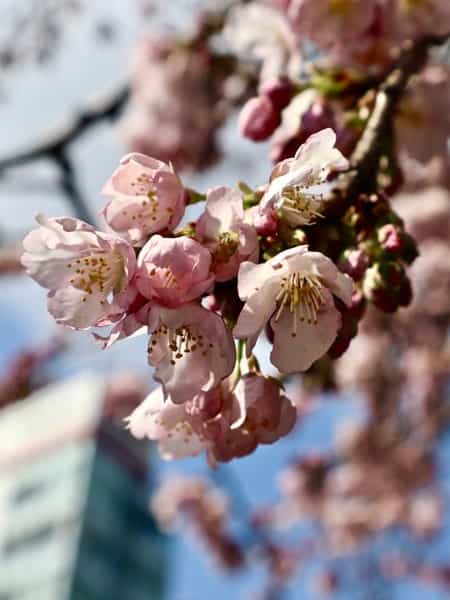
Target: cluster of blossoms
<point x="297" y="96"/>
<point x="367" y="32"/>
<point x="159" y="120"/>
<point x="306" y="259"/>
<point x="144" y="274"/>
<point x="383" y="471"/>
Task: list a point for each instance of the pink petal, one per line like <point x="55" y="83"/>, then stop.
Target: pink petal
<point x="296" y="354"/>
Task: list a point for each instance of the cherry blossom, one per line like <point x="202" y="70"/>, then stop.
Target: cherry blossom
<point x="332" y="22"/>
<point x="264" y="34"/>
<point x="227" y="422"/>
<point x="425" y="107"/>
<point x="176" y="103"/>
<point x="146" y="197"/>
<point x="296" y="186"/>
<point x="191" y="350"/>
<point x="173" y="271"/>
<point x="417" y="18"/>
<point x="87" y="272"/>
<point x="178" y="434"/>
<point x="222" y="229"/>
<point x="262" y="414"/>
<point x="294" y="293"/>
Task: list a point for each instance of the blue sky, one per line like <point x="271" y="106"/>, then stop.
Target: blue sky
<point x="81" y="70"/>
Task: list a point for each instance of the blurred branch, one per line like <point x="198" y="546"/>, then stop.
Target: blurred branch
<point x="10" y="260"/>
<point x="362" y="177"/>
<point x="54" y="144"/>
<point x="24" y="373"/>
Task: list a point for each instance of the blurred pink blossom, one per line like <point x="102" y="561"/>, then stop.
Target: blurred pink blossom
<point x="175" y="108"/>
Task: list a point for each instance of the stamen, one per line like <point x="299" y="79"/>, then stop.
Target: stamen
<point x="301" y="200"/>
<point x="100" y="274"/>
<point x="180" y="341"/>
<point x="302" y="292"/>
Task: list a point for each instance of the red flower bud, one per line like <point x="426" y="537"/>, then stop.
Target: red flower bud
<point x="278" y="91"/>
<point x="390" y="238"/>
<point x="258" y="119"/>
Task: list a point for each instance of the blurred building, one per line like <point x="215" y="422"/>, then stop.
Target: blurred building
<point x="74" y="523"/>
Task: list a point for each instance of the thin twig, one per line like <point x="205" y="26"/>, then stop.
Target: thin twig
<point x="54" y="145"/>
<point x="362" y="176"/>
<point x="55" y="142"/>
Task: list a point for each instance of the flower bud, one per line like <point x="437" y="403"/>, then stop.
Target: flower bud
<point x="258" y="119"/>
<point x="354" y="263"/>
<point x="390" y="238"/>
<point x="278" y="91"/>
<point x="392" y="273"/>
<point x="409" y="249"/>
<point x="374" y="288"/>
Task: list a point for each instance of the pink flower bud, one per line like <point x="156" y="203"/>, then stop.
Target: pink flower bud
<point x="354" y="263"/>
<point x="374" y="289"/>
<point x="258" y="119"/>
<point x="390" y="238"/>
<point x="278" y="91"/>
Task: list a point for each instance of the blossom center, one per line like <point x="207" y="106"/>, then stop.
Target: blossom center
<point x="301" y="200"/>
<point x="408" y="5"/>
<point x="150" y="207"/>
<point x="168" y="278"/>
<point x="99" y="273"/>
<point x="227" y="246"/>
<point x="301" y="294"/>
<point x="181" y="342"/>
<point x="339" y="7"/>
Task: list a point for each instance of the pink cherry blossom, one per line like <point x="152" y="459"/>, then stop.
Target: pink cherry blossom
<point x="132" y="323"/>
<point x="178" y="434"/>
<point x="226" y="423"/>
<point x="177" y="102"/>
<point x="294" y="292"/>
<point x="262" y="415"/>
<point x="331" y="22"/>
<point x="221" y="228"/>
<point x="417" y="18"/>
<point x="297" y="186"/>
<point x="191" y="350"/>
<point x="146" y="197"/>
<point x="173" y="271"/>
<point x="87" y="272"/>
<point x="263" y="33"/>
<point x="425" y="107"/>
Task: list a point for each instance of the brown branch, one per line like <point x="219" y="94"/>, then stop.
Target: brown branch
<point x="10" y="261"/>
<point x="54" y="145"/>
<point x="362" y="176"/>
